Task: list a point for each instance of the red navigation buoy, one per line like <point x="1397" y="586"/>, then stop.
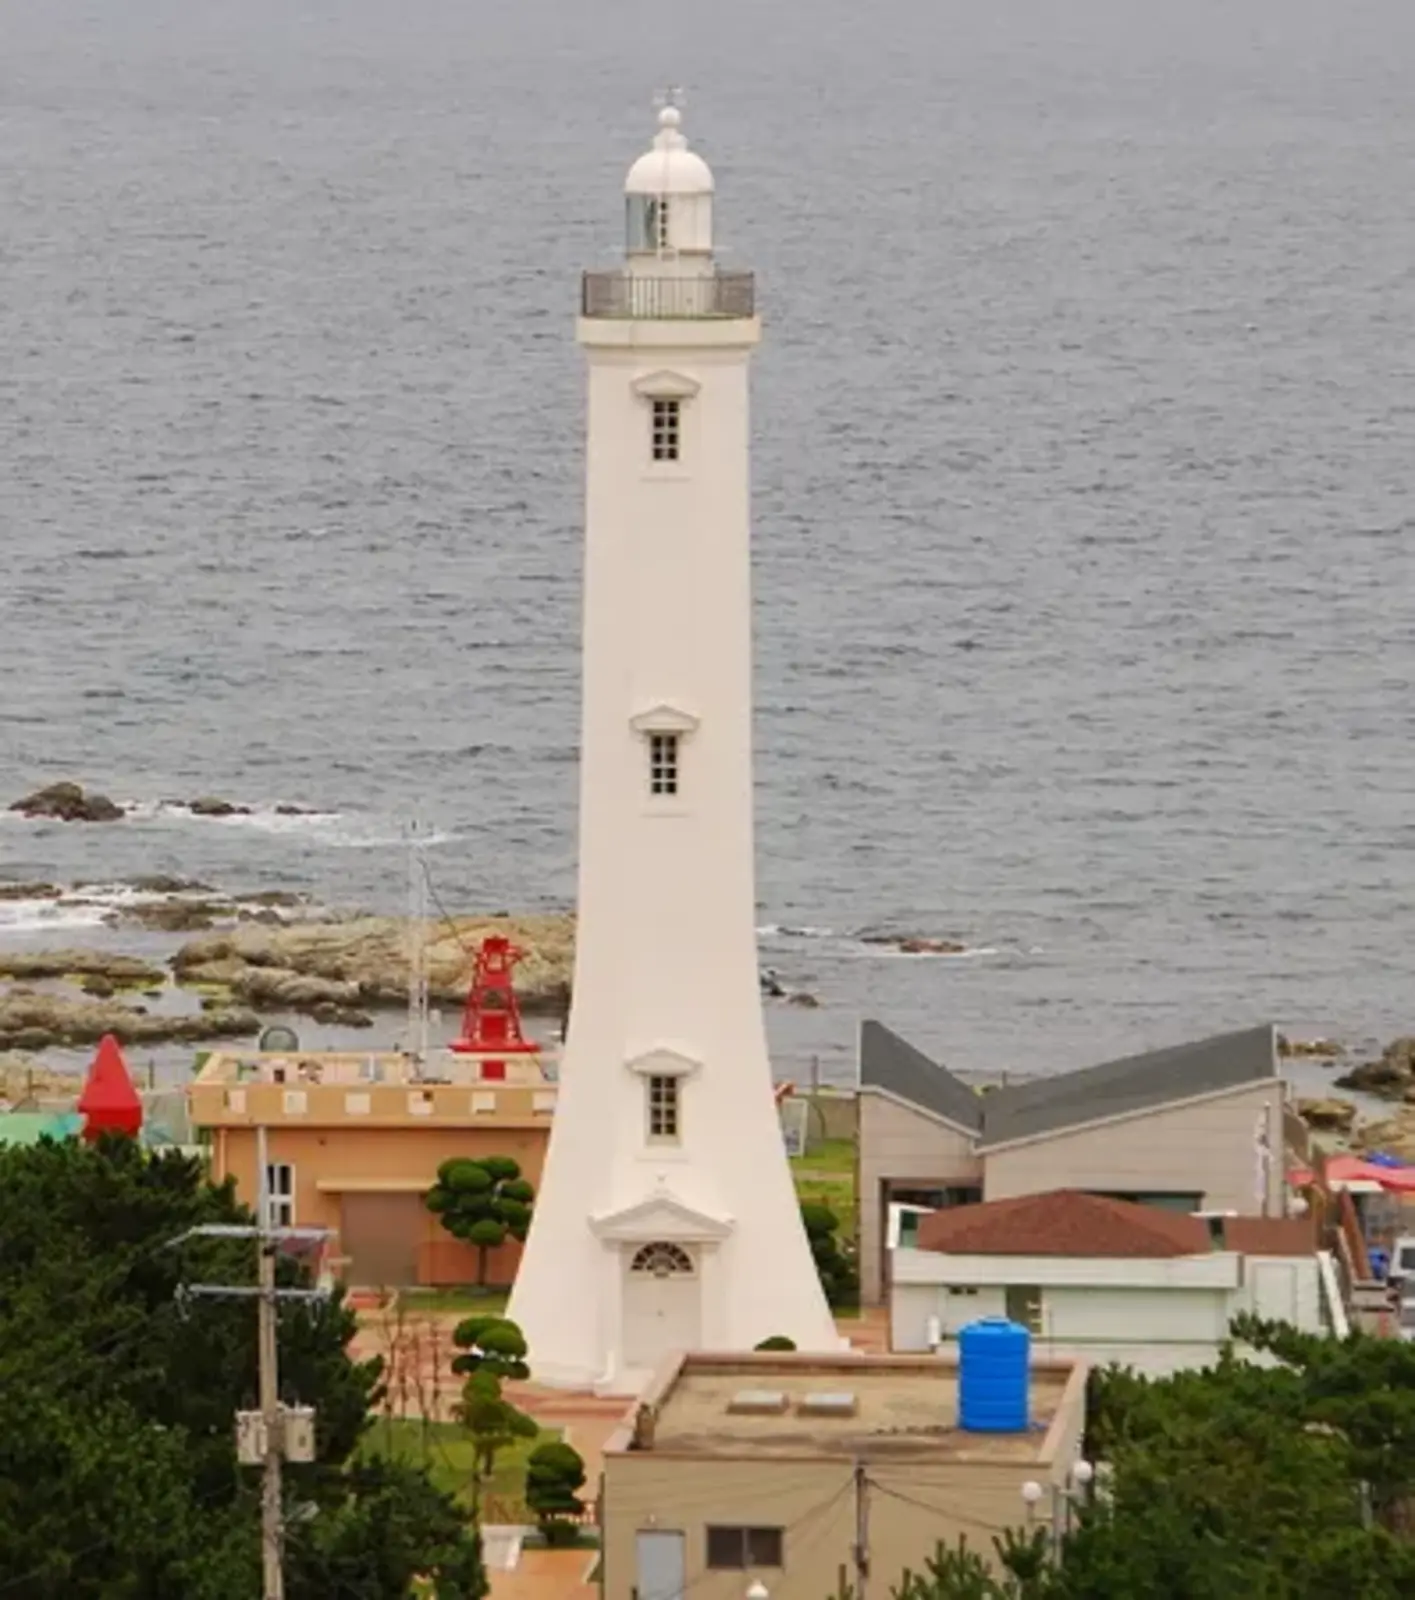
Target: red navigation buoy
<point x="109" y="1102"/>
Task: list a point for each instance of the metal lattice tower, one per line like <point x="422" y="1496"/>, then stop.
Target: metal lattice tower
<point x="416" y="1042"/>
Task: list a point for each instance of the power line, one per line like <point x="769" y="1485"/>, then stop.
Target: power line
<point x="938" y="1510"/>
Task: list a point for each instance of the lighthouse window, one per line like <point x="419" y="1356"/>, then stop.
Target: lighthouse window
<point x="663" y="763"/>
<point x="663" y="1108"/>
<point x="666" y="417"/>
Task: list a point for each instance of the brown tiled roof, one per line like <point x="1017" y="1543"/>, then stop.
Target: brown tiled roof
<point x="1270" y="1236"/>
<point x="1063" y="1222"/>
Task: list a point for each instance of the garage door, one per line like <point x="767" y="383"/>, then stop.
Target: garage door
<point x="379" y="1234"/>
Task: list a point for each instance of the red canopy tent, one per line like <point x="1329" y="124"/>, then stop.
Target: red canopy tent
<point x="1352" y="1169"/>
<point x="109" y="1102"/>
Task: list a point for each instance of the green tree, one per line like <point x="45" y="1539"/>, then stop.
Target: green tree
<point x="834" y="1263"/>
<point x="483" y="1202"/>
<point x="490" y="1344"/>
<point x="1284" y="1479"/>
<point x="555" y="1473"/>
<point x="118" y="1471"/>
<point x="777" y="1341"/>
<point x="492" y="1423"/>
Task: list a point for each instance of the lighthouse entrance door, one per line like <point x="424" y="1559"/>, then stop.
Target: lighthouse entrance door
<point x="662" y="1303"/>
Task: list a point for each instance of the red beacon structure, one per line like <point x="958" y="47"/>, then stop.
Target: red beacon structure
<point x="109" y="1103"/>
<point x="491" y="1022"/>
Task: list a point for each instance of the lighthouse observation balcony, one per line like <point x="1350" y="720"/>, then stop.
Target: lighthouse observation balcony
<point x="629" y="296"/>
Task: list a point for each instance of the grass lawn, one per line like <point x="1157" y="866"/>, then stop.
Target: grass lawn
<point x="826" y="1174"/>
<point x="446" y="1451"/>
<point x="464" y="1302"/>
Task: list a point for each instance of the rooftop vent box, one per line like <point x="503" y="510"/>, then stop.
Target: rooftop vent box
<point x="757" y="1403"/>
<point x="840" y="1404"/>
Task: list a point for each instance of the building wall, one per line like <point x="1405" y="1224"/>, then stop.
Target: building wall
<point x="911" y="1508"/>
<point x="1284" y="1288"/>
<point x="332" y="1161"/>
<point x="898" y="1142"/>
<point x="1072" y="1318"/>
<point x="1207" y="1146"/>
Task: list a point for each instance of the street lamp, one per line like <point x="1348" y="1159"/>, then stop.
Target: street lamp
<point x="1083" y="1474"/>
<point x="757" y="1591"/>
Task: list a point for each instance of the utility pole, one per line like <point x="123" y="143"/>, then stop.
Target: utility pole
<point x="862" y="1530"/>
<point x="272" y="1531"/>
<point x="275" y="1433"/>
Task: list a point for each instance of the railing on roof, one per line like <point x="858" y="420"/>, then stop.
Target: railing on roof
<point x="630" y="296"/>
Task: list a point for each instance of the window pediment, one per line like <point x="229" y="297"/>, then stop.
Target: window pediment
<point x="663" y="718"/>
<point x="666" y="385"/>
<point x="663" y="1062"/>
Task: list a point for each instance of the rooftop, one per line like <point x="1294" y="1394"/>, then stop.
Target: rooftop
<point x="371" y="1089"/>
<point x="355" y="1070"/>
<point x="897" y="1408"/>
<point x="1051" y="1104"/>
<point x="1063" y="1222"/>
<point x="1069" y="1222"/>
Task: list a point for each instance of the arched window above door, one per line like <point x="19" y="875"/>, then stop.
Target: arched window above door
<point x="662" y="1260"/>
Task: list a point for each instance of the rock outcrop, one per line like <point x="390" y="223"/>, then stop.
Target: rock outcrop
<point x="911" y="944"/>
<point x="1389" y="1077"/>
<point x="210" y="805"/>
<point x="69" y="802"/>
<point x="1394" y="1134"/>
<point x="1327" y="1116"/>
<point x="1311" y="1049"/>
<point x="123" y="972"/>
<point x="30" y="1021"/>
<point x="364" y="961"/>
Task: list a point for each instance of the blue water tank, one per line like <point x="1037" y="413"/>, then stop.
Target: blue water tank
<point x="994" y="1356"/>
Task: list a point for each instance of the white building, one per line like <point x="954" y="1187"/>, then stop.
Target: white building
<point x="1105" y="1280"/>
<point x="666" y="1218"/>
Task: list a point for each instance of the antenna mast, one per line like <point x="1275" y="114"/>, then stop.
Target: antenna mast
<point x="416" y="1042"/>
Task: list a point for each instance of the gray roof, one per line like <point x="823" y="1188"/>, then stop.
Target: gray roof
<point x="1069" y="1099"/>
<point x="888" y="1063"/>
<point x="1136" y="1083"/>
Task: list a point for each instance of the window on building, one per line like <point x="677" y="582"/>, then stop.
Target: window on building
<point x="660" y="223"/>
<point x="740" y="1549"/>
<point x="663" y="1108"/>
<point x="280" y="1195"/>
<point x="666" y="418"/>
<point x="1024" y="1305"/>
<point x="663" y="763"/>
<point x="1184" y="1201"/>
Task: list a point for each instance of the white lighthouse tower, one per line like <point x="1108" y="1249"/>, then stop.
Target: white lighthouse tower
<point x="666" y="1218"/>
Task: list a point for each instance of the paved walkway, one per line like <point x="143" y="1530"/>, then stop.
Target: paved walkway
<point x="544" y="1575"/>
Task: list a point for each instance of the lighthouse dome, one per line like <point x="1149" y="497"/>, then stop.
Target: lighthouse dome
<point x="669" y="199"/>
<point x="670" y="167"/>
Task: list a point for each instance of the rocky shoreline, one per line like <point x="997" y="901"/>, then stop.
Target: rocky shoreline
<point x="253" y="955"/>
<point x="71" y="802"/>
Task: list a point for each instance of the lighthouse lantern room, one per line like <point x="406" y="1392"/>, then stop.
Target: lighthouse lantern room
<point x="666" y="1218"/>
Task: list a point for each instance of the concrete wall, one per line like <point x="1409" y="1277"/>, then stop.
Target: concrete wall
<point x="911" y="1509"/>
<point x="1206" y="1146"/>
<point x="331" y="1161"/>
<point x="898" y="1141"/>
<point x="1285" y="1288"/>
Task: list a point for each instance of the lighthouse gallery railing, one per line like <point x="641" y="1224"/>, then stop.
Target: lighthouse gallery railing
<point x="629" y="295"/>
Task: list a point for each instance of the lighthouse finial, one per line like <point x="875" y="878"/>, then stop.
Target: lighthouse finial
<point x="669" y="104"/>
